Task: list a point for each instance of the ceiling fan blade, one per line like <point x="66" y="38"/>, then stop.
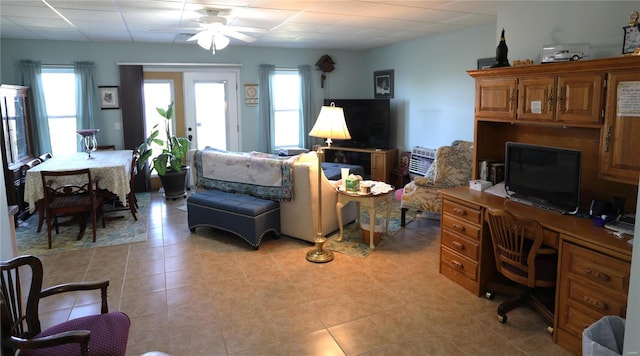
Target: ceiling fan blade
<point x="237" y="35"/>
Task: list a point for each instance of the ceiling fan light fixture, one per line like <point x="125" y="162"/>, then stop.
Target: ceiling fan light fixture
<point x="220" y="41"/>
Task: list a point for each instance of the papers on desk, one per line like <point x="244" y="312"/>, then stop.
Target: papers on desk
<point x="497" y="189"/>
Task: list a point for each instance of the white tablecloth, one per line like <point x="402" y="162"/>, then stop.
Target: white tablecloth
<point x="112" y="167"/>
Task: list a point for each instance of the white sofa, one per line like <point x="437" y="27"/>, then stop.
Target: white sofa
<point x="299" y="216"/>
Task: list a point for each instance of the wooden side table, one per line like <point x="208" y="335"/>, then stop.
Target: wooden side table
<point x="369" y="202"/>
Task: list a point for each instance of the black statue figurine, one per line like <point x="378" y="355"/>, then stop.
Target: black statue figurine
<point x="501" y="53"/>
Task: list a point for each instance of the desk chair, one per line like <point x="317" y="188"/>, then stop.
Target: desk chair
<point x="104" y="334"/>
<point x="521" y="258"/>
<point x="70" y="193"/>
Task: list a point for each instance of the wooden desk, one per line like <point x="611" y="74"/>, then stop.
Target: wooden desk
<point x="593" y="265"/>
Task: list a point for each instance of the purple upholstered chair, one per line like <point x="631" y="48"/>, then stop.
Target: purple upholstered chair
<point x="102" y="334"/>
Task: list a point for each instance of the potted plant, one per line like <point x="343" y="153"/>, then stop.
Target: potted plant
<point x="173" y="174"/>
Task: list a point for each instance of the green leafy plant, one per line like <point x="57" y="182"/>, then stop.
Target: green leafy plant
<point x="174" y="149"/>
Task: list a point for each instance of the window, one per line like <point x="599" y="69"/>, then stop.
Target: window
<point x="287" y="116"/>
<point x="59" y="95"/>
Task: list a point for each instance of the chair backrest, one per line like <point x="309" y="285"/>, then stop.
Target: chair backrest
<point x="19" y="315"/>
<point x="516" y="242"/>
<point x="45" y="156"/>
<point x="134" y="169"/>
<point x="66" y="183"/>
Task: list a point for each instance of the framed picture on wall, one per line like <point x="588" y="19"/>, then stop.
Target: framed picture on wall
<point x="109" y="97"/>
<point x="383" y="84"/>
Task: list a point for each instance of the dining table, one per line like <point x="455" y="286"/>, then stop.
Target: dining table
<point x="113" y="169"/>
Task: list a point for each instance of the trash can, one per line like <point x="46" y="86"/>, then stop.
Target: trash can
<point x="377" y="229"/>
<point x="605" y="337"/>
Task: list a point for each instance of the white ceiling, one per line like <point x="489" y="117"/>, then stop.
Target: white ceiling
<point x="323" y="24"/>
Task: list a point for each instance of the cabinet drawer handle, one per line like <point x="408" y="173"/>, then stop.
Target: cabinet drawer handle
<point x="457" y="264"/>
<point x="595" y="302"/>
<point x="560" y="100"/>
<point x="458" y="245"/>
<point x="607" y="138"/>
<point x="458" y="227"/>
<point x="598" y="275"/>
<point x="459" y="211"/>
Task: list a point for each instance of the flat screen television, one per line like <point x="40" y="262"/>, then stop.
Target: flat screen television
<point x="547" y="177"/>
<point x="368" y="121"/>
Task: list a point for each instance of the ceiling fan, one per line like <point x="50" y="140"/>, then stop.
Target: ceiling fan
<point x="214" y="32"/>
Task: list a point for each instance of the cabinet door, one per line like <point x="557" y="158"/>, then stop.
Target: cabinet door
<point x="536" y="98"/>
<point x="379" y="167"/>
<point x="579" y="99"/>
<point x="619" y="144"/>
<point x="496" y="98"/>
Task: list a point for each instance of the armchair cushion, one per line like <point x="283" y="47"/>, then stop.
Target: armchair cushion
<point x="108" y="336"/>
<point x="451" y="168"/>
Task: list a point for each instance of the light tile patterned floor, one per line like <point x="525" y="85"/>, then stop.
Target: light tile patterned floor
<point x="210" y="293"/>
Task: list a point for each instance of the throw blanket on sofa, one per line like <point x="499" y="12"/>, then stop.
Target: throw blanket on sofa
<point x="261" y="175"/>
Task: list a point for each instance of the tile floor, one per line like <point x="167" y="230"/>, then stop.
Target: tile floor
<point x="210" y="293"/>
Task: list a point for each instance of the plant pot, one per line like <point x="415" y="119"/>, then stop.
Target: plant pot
<point x="175" y="183"/>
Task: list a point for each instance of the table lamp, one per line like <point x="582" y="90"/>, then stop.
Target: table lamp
<point x="330" y="125"/>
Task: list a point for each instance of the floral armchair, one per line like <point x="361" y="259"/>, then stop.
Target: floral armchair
<point x="451" y="168"/>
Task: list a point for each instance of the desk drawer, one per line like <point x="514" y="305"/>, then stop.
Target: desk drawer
<point x="468" y="213"/>
<point x="601" y="303"/>
<point x="460" y="244"/>
<point x="607" y="272"/>
<point x="461" y="226"/>
<point x="459" y="263"/>
<point x="574" y="320"/>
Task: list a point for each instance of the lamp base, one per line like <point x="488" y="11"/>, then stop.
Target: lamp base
<point x="319" y="255"/>
<point x="316" y="256"/>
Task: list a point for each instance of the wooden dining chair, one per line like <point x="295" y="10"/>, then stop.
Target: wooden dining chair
<point x="45" y="156"/>
<point x="71" y="193"/>
<point x="21" y="291"/>
<point x="114" y="202"/>
<point x="23" y="174"/>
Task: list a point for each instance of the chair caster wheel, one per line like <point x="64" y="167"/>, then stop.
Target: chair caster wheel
<point x="550" y="330"/>
<point x="502" y="318"/>
<point x="490" y="294"/>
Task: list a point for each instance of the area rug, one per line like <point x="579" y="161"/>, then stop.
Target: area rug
<point x="352" y="243"/>
<point x="116" y="232"/>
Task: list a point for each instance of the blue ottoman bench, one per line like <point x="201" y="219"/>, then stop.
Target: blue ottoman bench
<point x="244" y="215"/>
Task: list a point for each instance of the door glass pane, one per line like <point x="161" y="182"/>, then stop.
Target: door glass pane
<point x="156" y="95"/>
<point x="210" y="105"/>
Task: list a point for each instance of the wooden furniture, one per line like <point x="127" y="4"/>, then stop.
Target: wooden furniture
<point x="71" y="193"/>
<point x="105" y="333"/>
<point x="520" y="257"/>
<point x="571" y="105"/>
<point x="590" y="106"/>
<point x="369" y="201"/>
<point x="378" y="164"/>
<point x="15" y="143"/>
<point x="593" y="269"/>
<point x="111" y="167"/>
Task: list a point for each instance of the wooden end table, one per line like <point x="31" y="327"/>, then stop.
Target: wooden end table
<point x="368" y="201"/>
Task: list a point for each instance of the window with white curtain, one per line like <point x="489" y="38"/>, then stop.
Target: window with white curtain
<point x="287" y="115"/>
<point x="60" y="96"/>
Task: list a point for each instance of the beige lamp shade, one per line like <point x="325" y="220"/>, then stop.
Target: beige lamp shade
<point x="331" y="124"/>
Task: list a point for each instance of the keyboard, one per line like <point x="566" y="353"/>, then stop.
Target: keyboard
<point x="624" y="224"/>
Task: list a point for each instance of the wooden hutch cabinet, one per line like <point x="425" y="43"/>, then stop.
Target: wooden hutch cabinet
<point x="591" y="106"/>
<point x="570" y="99"/>
<point x="620" y="142"/>
<point x="15" y="143"/>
